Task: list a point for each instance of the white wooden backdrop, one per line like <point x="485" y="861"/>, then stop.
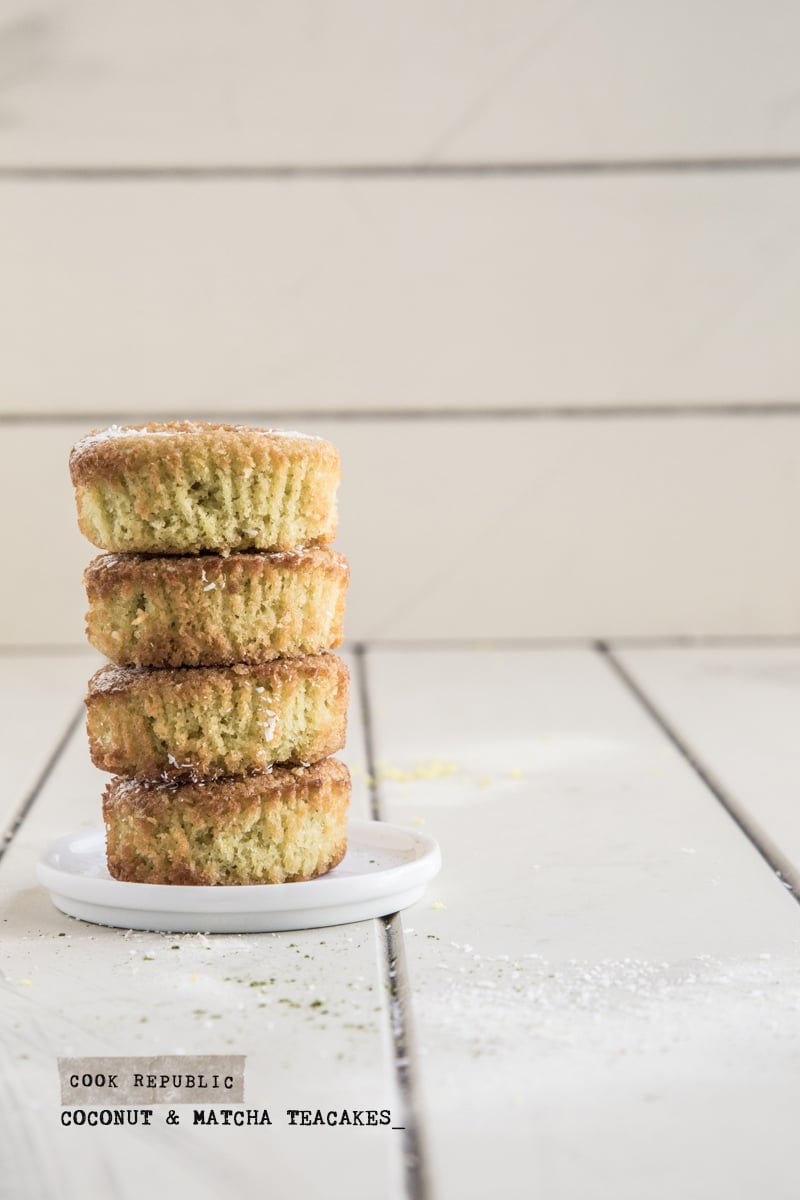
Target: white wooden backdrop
<point x="535" y="267"/>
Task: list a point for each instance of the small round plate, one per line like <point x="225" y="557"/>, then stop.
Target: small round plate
<point x="385" y="869"/>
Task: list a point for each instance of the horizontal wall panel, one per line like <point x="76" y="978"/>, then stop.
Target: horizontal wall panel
<point x="514" y="528"/>
<point x="399" y="295"/>
<point x="230" y="82"/>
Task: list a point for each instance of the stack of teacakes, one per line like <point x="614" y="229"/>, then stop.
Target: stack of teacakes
<point x="217" y="605"/>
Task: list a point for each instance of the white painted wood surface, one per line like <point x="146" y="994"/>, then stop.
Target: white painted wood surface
<point x="605" y="976"/>
<point x="604" y="979"/>
<point x="737" y="708"/>
<point x="516" y="528"/>
<point x="74" y="989"/>
<point x="407" y="295"/>
<point x="220" y="82"/>
<point x="39" y="695"/>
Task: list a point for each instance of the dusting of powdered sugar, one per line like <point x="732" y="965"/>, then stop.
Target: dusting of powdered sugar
<point x="120" y="431"/>
<point x="479" y="1003"/>
<point x="190" y="428"/>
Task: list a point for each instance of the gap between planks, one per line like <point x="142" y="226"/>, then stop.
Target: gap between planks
<point x="684" y="641"/>
<point x="600" y="642"/>
<point x="415" y="1158"/>
<point x="29" y="800"/>
<point x="466" y="169"/>
<point x="772" y="855"/>
<point x="677" y="410"/>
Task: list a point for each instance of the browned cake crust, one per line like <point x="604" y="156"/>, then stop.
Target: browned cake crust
<point x="282" y="827"/>
<point x="181" y="487"/>
<point x="207" y="722"/>
<point x="213" y="610"/>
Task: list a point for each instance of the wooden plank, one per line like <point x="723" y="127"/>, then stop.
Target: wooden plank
<point x="736" y="707"/>
<point x="605" y="975"/>
<point x="397" y="295"/>
<point x="40" y="695"/>
<point x="620" y="80"/>
<point x="482" y="529"/>
<point x="215" y="83"/>
<point x="74" y="989"/>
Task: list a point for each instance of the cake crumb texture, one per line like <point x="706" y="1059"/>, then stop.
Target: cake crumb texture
<point x="207" y="722"/>
<point x="283" y="827"/>
<point x="213" y="610"/>
<point x="185" y="486"/>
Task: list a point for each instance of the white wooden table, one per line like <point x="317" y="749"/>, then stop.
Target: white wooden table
<point x="599" y="997"/>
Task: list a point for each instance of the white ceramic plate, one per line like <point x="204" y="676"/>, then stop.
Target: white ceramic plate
<point x="385" y="869"/>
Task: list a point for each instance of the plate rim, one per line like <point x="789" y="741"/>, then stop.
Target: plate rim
<point x="326" y="891"/>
